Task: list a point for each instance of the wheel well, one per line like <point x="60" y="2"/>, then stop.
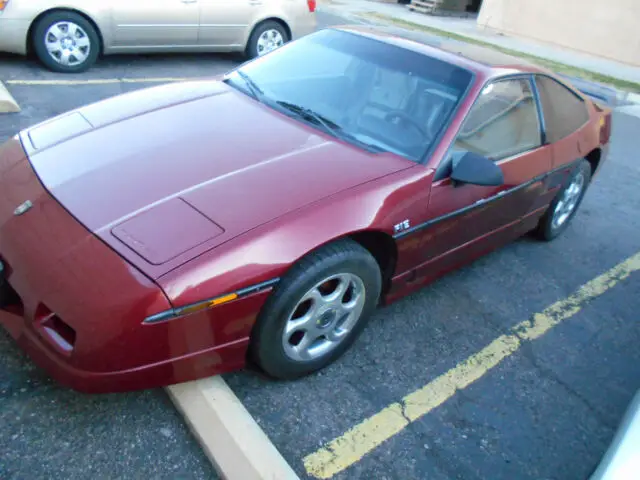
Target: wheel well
<point x="277" y="20"/>
<point x="384" y="250"/>
<point x="52" y="10"/>
<point x="594" y="159"/>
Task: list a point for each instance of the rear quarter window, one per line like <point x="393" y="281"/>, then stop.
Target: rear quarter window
<point x="564" y="112"/>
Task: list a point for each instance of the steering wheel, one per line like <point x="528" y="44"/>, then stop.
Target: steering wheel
<point x="408" y="119"/>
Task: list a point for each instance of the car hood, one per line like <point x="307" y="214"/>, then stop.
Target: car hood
<point x="166" y="173"/>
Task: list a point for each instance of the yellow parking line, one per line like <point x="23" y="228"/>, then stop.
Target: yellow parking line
<point x="99" y="81"/>
<point x="349" y="448"/>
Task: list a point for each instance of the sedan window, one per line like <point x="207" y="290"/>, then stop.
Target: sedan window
<point x="361" y="90"/>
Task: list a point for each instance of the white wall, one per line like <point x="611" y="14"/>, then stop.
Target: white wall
<point x="607" y="28"/>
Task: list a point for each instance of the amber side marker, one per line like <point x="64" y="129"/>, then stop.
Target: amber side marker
<point x="212" y="302"/>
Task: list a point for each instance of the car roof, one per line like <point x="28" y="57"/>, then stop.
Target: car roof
<point x="472" y="56"/>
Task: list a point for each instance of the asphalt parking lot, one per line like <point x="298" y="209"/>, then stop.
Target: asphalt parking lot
<point x="547" y="409"/>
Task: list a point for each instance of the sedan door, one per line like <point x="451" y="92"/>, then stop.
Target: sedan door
<point x="225" y="22"/>
<point x="155" y="24"/>
<point x="466" y="220"/>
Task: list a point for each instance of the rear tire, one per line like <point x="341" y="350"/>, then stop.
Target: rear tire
<point x="66" y="42"/>
<point x="266" y="37"/>
<point x="316" y="311"/>
<point x="565" y="204"/>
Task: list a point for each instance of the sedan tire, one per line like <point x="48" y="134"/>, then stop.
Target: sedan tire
<point x="66" y="42"/>
<point x="317" y="310"/>
<point x="565" y="204"/>
<point x="267" y="36"/>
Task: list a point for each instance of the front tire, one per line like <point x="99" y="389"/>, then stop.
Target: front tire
<point x="317" y="311"/>
<point x="265" y="38"/>
<point x="565" y="204"/>
<point x="66" y="42"/>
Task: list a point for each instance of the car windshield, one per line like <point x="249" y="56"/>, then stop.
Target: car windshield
<point x="370" y="93"/>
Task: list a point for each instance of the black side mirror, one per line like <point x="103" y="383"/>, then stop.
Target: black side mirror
<point x="477" y="170"/>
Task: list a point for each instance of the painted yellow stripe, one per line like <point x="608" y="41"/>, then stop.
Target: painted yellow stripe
<point x="99" y="81"/>
<point x="349" y="448"/>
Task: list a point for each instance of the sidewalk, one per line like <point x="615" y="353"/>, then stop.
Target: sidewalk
<point x="371" y="11"/>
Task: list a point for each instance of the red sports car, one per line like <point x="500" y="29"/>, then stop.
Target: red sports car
<point x="178" y="231"/>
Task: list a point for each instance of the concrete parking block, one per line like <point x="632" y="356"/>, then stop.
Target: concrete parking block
<point x="7" y="102"/>
<point x="231" y="438"/>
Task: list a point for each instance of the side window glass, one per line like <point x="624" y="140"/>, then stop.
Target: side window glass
<point x="503" y="122"/>
<point x="564" y="112"/>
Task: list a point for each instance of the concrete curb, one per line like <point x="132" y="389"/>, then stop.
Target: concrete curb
<point x="631" y="98"/>
<point x="230" y="437"/>
<point x="7" y="102"/>
<point x="632" y="110"/>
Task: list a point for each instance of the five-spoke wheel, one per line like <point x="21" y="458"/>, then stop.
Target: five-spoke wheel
<point x="317" y="310"/>
<point x="566" y="203"/>
<point x="323" y="317"/>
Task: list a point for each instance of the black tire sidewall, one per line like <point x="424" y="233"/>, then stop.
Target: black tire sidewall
<point x="546" y="230"/>
<point x="266" y="342"/>
<point x="41" y="51"/>
<point x="252" y="44"/>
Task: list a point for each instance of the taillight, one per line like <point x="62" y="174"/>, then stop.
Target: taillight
<point x="4" y="3"/>
<point x="310" y="3"/>
<point x="605" y="127"/>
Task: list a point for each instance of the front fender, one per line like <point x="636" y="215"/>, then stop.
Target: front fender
<point x="267" y="252"/>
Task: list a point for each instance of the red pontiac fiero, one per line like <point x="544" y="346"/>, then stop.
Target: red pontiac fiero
<point x="175" y="232"/>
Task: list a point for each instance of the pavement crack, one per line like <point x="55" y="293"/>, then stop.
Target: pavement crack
<point x="403" y="411"/>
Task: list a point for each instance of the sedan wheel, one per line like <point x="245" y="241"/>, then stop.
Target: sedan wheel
<point x="269" y="40"/>
<point x="265" y="38"/>
<point x="317" y="310"/>
<point x="66" y="42"/>
<point x="565" y="204"/>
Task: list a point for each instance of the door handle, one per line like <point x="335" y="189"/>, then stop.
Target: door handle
<point x="189" y="1"/>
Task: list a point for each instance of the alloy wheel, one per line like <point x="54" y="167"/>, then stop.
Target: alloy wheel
<point x="323" y="317"/>
<point x="567" y="204"/>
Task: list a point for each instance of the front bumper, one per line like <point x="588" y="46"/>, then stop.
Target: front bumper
<point x="189" y="345"/>
<point x="212" y="361"/>
<point x="77" y="307"/>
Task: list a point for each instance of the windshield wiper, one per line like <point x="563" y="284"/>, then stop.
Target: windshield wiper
<point x="255" y="90"/>
<point x="329" y="125"/>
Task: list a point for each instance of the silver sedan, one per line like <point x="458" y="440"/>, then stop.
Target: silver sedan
<point x="69" y="35"/>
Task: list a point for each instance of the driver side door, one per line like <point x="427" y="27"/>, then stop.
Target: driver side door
<point x="467" y="220"/>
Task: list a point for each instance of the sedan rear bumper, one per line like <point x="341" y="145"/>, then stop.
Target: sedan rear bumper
<point x="304" y="25"/>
